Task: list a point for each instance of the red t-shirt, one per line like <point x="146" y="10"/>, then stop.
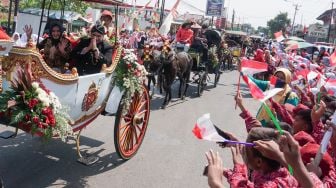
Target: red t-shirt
<point x="184" y="35"/>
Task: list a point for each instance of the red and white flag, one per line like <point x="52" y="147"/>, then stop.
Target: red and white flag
<point x="257" y="93"/>
<point x="312" y="75"/>
<point x="279" y="36"/>
<point x="332" y="60"/>
<point x="330" y="86"/>
<point x="165" y="27"/>
<point x="301" y="74"/>
<point x="204" y="129"/>
<point x="251" y="67"/>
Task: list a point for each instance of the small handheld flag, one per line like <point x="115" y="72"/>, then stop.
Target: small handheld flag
<point x="205" y="130"/>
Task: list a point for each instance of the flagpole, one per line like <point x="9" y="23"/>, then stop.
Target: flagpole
<point x="331" y="18"/>
<point x="238" y="88"/>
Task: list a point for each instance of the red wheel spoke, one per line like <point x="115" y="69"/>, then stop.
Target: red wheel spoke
<point x="134" y="103"/>
<point x="126" y="140"/>
<point x="135" y="134"/>
<point x="124" y="133"/>
<point x="141" y="105"/>
<point x="138" y="127"/>
<point x="124" y="125"/>
<point x="127" y="118"/>
<point x="130" y="139"/>
<point x="142" y="112"/>
<point x="130" y="145"/>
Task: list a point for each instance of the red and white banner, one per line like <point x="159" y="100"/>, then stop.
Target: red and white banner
<point x="251" y="67"/>
<point x="257" y="93"/>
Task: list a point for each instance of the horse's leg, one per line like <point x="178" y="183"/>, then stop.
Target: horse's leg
<point x="160" y="82"/>
<point x="183" y="87"/>
<point x="166" y="97"/>
<point x="154" y="83"/>
<point x="180" y="88"/>
<point x="187" y="80"/>
<point x="170" y="93"/>
<point x="148" y="82"/>
<point x="154" y="80"/>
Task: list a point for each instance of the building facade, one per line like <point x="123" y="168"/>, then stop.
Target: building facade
<point x="328" y="19"/>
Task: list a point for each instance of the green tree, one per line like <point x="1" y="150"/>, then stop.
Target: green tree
<point x="264" y="30"/>
<point x="279" y="23"/>
<point x="70" y="5"/>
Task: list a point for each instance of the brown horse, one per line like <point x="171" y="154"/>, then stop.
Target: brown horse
<point x="175" y="64"/>
<point x="152" y="65"/>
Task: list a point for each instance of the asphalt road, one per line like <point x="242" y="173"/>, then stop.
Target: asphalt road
<point x="170" y="155"/>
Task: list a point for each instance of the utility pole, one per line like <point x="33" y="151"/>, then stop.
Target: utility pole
<point x="233" y="17"/>
<point x="9" y="18"/>
<point x="16" y="7"/>
<point x="331" y="19"/>
<point x="162" y="11"/>
<point x="212" y="21"/>
<point x="296" y="9"/>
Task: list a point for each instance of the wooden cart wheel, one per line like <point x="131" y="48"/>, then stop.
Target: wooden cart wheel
<point x="130" y="128"/>
<point x="201" y="83"/>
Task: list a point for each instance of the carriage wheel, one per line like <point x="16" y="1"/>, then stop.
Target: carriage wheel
<point x="201" y="83"/>
<point x="130" y="128"/>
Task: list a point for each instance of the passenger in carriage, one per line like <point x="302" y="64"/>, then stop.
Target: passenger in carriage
<point x="56" y="48"/>
<point x="91" y="53"/>
<point x="106" y="18"/>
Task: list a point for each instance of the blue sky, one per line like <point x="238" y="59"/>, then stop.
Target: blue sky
<point x="257" y="12"/>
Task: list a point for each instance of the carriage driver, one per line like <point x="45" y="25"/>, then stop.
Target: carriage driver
<point x="184" y="36"/>
<point x="91" y="53"/>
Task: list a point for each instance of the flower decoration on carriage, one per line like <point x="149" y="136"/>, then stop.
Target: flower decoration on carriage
<point x="147" y="52"/>
<point x="31" y="107"/>
<point x="129" y="76"/>
<point x="166" y="46"/>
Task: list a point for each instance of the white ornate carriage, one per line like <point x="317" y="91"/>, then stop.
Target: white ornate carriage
<point x="86" y="96"/>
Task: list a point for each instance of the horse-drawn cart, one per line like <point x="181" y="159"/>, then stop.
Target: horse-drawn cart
<point x="43" y="102"/>
<point x="236" y="44"/>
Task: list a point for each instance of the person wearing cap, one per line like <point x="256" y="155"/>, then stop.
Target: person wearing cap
<point x="106" y="18"/>
<point x="185" y="35"/>
<point x="56" y="48"/>
<point x="91" y="53"/>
